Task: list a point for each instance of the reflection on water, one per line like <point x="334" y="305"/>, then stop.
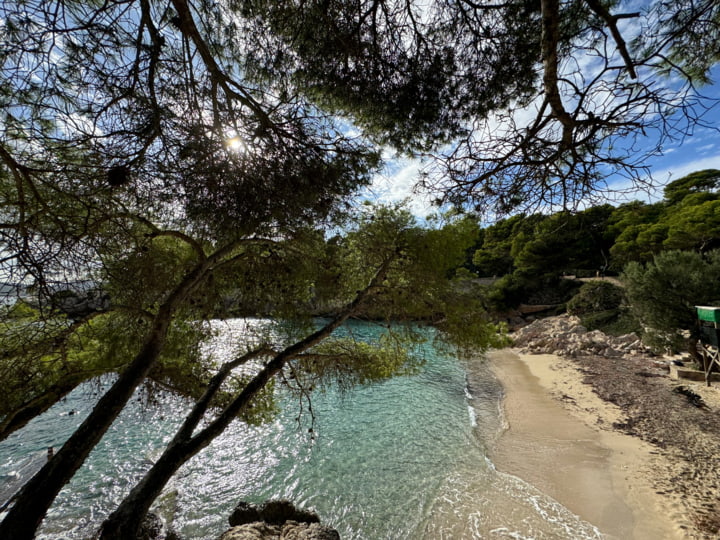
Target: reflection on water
<point x="401" y="459"/>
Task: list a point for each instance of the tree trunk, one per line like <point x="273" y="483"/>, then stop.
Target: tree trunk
<point x="126" y="520"/>
<point x="124" y="523"/>
<point x="38" y="494"/>
<point x="19" y="418"/>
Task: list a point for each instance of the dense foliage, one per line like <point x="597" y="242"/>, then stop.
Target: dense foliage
<point x="535" y="251"/>
<point x="604" y="305"/>
<point x="184" y="161"/>
<point x="541" y="102"/>
<point x="150" y="180"/>
<point x="663" y="294"/>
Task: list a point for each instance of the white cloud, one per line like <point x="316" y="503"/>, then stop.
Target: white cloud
<point x="679" y="170"/>
<point x="397" y="183"/>
<point x="625" y="190"/>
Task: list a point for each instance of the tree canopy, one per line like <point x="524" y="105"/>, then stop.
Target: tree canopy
<point x="150" y="181"/>
<point x="539" y="102"/>
<point x="533" y="251"/>
<point x="665" y="291"/>
<point x="163" y="164"/>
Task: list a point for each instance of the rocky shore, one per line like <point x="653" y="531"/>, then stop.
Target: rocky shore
<point x="680" y="419"/>
<point x="271" y="520"/>
<point x="276" y="520"/>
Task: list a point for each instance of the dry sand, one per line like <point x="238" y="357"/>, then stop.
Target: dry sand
<point x="560" y="440"/>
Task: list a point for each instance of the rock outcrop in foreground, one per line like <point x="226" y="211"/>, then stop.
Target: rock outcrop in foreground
<point x="276" y="520"/>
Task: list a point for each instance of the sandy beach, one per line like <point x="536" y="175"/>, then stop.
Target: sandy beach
<point x="560" y="439"/>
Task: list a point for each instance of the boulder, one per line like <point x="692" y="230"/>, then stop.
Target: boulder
<point x="274" y="512"/>
<point x="291" y="530"/>
<point x="276" y="520"/>
<point x="244" y="513"/>
<point x="252" y="531"/>
<point x="308" y="531"/>
<point x="278" y="512"/>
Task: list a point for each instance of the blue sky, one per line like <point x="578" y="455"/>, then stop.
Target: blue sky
<point x="697" y="151"/>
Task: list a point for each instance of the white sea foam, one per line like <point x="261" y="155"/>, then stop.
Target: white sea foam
<point x="473" y="416"/>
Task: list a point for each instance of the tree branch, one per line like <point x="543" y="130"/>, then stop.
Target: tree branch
<point x="549" y="43"/>
<point x="611" y="21"/>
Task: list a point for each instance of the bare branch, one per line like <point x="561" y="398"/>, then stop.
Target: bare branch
<point x="611" y="21"/>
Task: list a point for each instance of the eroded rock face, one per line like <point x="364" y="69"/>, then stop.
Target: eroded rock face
<point x="276" y="520"/>
<point x="290" y="530"/>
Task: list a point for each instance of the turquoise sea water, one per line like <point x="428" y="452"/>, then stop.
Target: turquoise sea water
<point x="401" y="459"/>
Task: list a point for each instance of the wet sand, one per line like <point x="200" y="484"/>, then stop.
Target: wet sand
<point x="559" y="439"/>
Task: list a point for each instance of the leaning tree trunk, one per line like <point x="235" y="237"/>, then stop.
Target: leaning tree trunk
<point x="37" y="495"/>
<point x="125" y="522"/>
<point x="35" y="498"/>
<point x="20" y="417"/>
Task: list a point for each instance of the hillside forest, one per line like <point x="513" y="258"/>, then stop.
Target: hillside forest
<point x="635" y="267"/>
<point x="659" y="259"/>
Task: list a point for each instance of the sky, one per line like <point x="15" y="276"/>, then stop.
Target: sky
<point x="697" y="151"/>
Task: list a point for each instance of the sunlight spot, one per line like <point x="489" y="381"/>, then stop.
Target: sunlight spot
<point x="236" y="144"/>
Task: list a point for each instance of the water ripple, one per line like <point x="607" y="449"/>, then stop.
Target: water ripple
<point x="403" y="459"/>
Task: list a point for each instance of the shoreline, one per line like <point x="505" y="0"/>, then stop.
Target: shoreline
<point x="560" y="439"/>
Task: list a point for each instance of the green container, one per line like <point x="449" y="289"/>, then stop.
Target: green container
<point x="708" y="313"/>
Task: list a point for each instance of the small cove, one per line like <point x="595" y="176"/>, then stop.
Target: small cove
<point x="401" y="459"/>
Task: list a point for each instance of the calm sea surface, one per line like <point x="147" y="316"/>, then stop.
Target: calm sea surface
<point x="402" y="459"/>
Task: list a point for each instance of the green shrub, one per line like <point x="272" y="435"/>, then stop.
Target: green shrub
<point x="21" y="310"/>
<point x="552" y="290"/>
<point x="663" y="294"/>
<point x="596" y="297"/>
<point x="603" y="306"/>
<point x="507" y="292"/>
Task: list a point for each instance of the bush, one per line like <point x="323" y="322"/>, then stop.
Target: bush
<point x="663" y="295"/>
<point x="553" y="290"/>
<point x="603" y="306"/>
<point x="21" y="310"/>
<point x="596" y="297"/>
<point x="505" y="293"/>
<point x="517" y="288"/>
